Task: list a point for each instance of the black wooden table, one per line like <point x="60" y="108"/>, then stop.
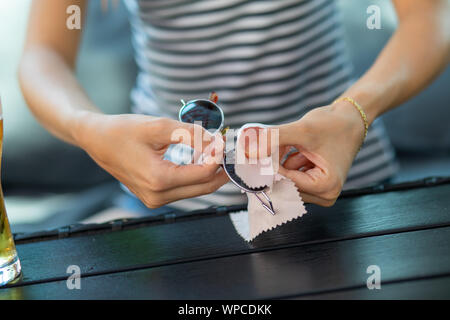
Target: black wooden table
<point x="402" y="229"/>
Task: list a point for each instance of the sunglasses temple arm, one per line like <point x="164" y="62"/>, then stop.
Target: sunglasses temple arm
<point x="270" y="209"/>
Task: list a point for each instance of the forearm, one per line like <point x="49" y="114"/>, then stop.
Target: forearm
<point x="53" y="93"/>
<point x="415" y="54"/>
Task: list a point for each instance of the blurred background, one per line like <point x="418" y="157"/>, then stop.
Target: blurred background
<point x="49" y="184"/>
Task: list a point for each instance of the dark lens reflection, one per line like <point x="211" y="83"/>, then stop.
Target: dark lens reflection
<point x="229" y="166"/>
<point x="202" y="110"/>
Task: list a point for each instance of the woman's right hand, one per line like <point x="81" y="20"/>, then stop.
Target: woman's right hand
<point x="131" y="148"/>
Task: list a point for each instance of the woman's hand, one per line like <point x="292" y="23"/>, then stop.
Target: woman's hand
<point x="131" y="148"/>
<point x="327" y="139"/>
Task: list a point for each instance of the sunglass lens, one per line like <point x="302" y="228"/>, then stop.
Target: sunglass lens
<point x="202" y="110"/>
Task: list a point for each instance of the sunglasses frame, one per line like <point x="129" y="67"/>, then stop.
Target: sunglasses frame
<point x="185" y="104"/>
<point x="267" y="204"/>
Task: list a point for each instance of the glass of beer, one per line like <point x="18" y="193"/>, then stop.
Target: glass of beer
<point x="9" y="261"/>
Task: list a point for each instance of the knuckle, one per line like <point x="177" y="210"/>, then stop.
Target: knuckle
<point x="308" y="128"/>
<point x="154" y="124"/>
<point x="211" y="172"/>
<point x="156" y="184"/>
<point x="163" y="122"/>
<point x="152" y="202"/>
<point x="322" y="188"/>
<point x="212" y="187"/>
<point x="159" y="124"/>
<point x="328" y="203"/>
<point x="150" y="205"/>
<point x="333" y="190"/>
<point x="156" y="187"/>
<point x="339" y="184"/>
<point x="207" y="173"/>
<point x="332" y="195"/>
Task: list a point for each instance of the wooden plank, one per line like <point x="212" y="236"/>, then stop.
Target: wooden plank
<point x="287" y="272"/>
<point x="366" y="215"/>
<point x="423" y="289"/>
<point x="215" y="236"/>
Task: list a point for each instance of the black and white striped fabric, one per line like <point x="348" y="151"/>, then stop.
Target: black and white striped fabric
<point x="269" y="61"/>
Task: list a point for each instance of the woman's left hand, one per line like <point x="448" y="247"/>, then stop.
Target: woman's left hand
<point x="328" y="139"/>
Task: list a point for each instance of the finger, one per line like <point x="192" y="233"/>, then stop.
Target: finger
<point x="307" y="167"/>
<point x="249" y="139"/>
<point x="208" y="149"/>
<point x="293" y="133"/>
<point x="309" y="198"/>
<point x="172" y="175"/>
<point x="213" y="153"/>
<point x="219" y="179"/>
<point x="197" y="157"/>
<point x="311" y="181"/>
<point x="167" y="131"/>
<point x="168" y="175"/>
<point x="284" y="151"/>
<point x="295" y="161"/>
<point x="269" y="139"/>
<point x="259" y="142"/>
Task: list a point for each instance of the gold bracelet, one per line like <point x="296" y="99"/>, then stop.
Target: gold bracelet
<point x="361" y="111"/>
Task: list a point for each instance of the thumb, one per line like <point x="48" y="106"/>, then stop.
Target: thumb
<point x="291" y="134"/>
<point x="257" y="141"/>
<point x="167" y="131"/>
<point x="260" y="142"/>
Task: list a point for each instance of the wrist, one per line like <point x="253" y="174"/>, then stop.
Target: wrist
<point x="84" y="121"/>
<point x="355" y="123"/>
<point x="367" y="100"/>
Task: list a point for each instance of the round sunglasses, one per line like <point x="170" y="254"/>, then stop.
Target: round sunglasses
<point x="212" y="119"/>
<point x="205" y="111"/>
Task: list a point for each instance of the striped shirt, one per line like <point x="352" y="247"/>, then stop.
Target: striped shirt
<point x="269" y="61"/>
